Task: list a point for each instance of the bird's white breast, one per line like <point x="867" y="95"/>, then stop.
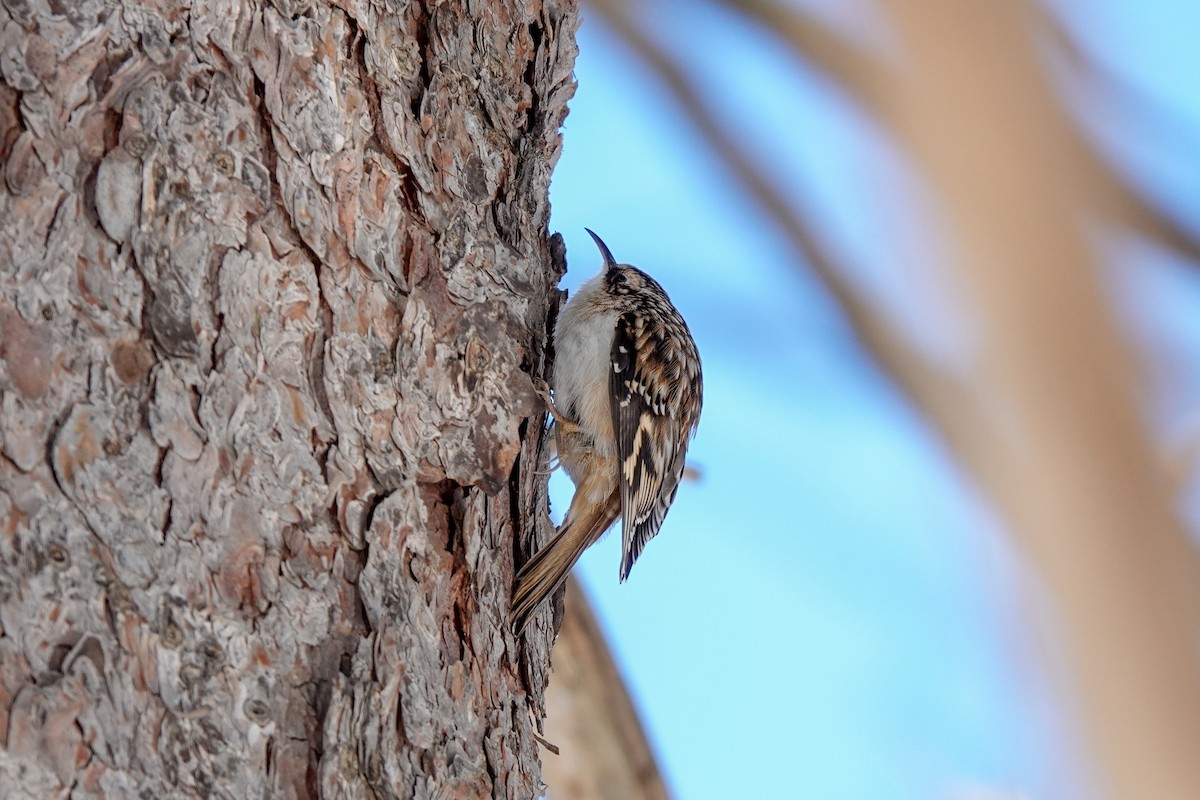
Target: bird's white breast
<point x="582" y="364"/>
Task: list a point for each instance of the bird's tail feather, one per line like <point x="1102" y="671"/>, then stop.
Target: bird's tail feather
<point x="549" y="567"/>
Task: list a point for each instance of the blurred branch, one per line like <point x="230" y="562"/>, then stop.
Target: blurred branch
<point x="1072" y="467"/>
<point x="602" y="753"/>
<point x="1085" y="494"/>
<point x="1119" y="200"/>
<point x="943" y="399"/>
<point x="869" y="82"/>
<point x="847" y="65"/>
<point x="1124" y="204"/>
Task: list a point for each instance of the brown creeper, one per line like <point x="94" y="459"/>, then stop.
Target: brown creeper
<point x="627" y="392"/>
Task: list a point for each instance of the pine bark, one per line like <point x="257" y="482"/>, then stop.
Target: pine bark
<point x="274" y="280"/>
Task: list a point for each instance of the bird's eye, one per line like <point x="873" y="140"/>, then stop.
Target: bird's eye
<point x="618" y="279"/>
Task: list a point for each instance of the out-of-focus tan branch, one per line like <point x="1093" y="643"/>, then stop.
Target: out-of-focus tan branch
<point x="602" y="752"/>
<point x="1086" y="494"/>
<point x="941" y="396"/>
<point x="1120" y="203"/>
<point x="1116" y="198"/>
<point x="861" y="73"/>
<point x="1072" y="467"/>
<point x="868" y="81"/>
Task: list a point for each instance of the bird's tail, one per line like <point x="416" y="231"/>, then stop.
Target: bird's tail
<point x="549" y="567"/>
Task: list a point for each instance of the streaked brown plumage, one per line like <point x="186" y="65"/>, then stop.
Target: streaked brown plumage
<point x="627" y="396"/>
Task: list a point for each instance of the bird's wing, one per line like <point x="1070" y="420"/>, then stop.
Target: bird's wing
<point x="650" y="447"/>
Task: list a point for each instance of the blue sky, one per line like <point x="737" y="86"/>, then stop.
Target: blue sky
<point x="832" y="612"/>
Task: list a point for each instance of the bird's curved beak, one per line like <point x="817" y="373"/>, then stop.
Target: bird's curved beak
<point x="609" y="261"/>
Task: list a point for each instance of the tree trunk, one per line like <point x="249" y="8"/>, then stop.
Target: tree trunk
<point x="275" y="279"/>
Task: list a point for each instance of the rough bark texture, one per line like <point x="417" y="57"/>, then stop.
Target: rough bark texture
<point x="275" y="277"/>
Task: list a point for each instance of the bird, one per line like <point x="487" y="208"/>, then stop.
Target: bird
<point x="627" y="392"/>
